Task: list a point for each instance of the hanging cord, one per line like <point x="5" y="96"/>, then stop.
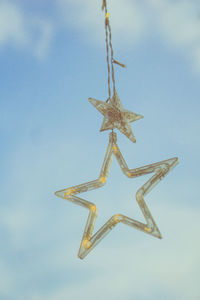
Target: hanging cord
<point x="109" y="52"/>
<point x="112" y="60"/>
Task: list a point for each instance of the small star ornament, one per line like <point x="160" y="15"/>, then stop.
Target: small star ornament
<point x="115" y="116"/>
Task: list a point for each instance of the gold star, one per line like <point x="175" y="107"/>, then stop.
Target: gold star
<point x="115" y="116"/>
<point x="90" y="240"/>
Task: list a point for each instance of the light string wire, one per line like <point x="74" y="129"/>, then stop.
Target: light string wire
<point x="109" y="51"/>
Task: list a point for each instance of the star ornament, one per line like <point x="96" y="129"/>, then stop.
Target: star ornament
<point x="115" y="116"/>
<point x="91" y="239"/>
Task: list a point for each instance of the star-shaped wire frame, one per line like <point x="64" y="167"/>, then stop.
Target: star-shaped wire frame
<point x="90" y="240"/>
<point x="115" y="116"/>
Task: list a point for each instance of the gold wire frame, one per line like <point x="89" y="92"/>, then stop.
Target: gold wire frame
<point x="90" y="240"/>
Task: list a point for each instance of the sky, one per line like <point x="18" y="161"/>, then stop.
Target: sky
<point x="52" y="58"/>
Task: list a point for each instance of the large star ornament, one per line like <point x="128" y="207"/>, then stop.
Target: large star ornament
<point x="115" y="116"/>
<point x="159" y="170"/>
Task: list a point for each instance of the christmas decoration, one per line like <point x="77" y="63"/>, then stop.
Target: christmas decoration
<point x="115" y="116"/>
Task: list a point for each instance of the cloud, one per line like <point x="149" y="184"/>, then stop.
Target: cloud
<point x="177" y="22"/>
<point x="126" y="17"/>
<point x="23" y="31"/>
<point x="11" y="24"/>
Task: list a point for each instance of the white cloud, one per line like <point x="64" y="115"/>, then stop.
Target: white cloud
<point x="23" y="31"/>
<point x="41" y="34"/>
<point x="126" y="17"/>
<point x="177" y="22"/>
<point x="12" y="27"/>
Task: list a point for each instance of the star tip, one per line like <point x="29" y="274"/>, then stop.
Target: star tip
<point x="159" y="236"/>
<point x="156" y="233"/>
<point x="140" y="117"/>
<point x="133" y="140"/>
<point x="102" y="129"/>
<point x="79" y="256"/>
<point x="59" y="194"/>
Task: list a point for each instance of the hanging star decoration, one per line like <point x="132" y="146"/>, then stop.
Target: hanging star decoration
<point x="115" y="116"/>
<point x="159" y="170"/>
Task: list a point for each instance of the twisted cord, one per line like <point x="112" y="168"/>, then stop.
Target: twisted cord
<point x="107" y="55"/>
<point x="112" y="59"/>
<point x="109" y="51"/>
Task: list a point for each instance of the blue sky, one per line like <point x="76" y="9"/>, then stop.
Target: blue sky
<point x="52" y="57"/>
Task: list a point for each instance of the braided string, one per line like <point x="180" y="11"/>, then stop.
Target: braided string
<point x="109" y="51"/>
